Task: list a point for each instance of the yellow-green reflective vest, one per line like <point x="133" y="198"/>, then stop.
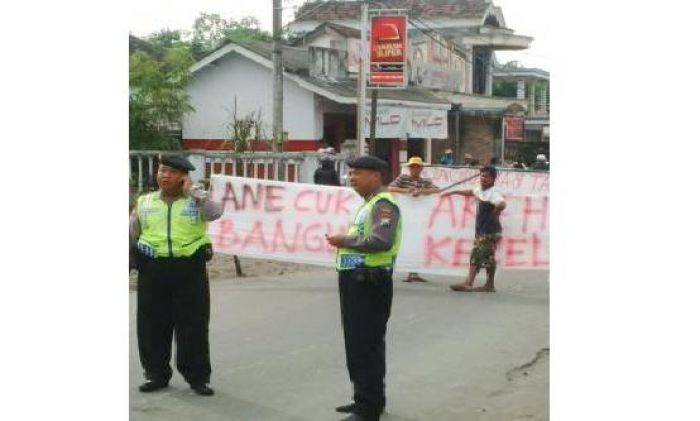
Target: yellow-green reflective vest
<point x="175" y="230"/>
<point x="348" y="259"/>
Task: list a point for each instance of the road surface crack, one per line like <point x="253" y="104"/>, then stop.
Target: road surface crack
<point x="521" y="368"/>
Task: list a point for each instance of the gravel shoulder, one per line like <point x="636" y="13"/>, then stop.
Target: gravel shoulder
<point x="222" y="267"/>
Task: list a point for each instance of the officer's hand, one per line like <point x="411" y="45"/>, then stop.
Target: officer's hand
<point x="335" y="240"/>
<point x="186" y="184"/>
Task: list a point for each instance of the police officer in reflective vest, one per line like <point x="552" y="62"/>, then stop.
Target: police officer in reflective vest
<point x="365" y="261"/>
<point x="168" y="232"/>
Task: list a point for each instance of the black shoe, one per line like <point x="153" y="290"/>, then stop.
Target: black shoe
<point x="202" y="389"/>
<point x="360" y="417"/>
<point x="346" y="408"/>
<point x="152" y="386"/>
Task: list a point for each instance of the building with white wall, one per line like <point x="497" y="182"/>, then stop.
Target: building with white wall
<point x="238" y="79"/>
<point x="448" y="102"/>
<point x="319" y="101"/>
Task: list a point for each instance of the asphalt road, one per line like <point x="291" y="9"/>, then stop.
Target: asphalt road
<point x="277" y="353"/>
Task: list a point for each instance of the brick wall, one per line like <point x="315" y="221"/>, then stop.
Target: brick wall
<point x="477" y="135"/>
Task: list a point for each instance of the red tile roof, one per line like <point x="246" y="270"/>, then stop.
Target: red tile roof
<point x="339" y="10"/>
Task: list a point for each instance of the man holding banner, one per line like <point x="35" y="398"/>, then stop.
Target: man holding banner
<point x="415" y="185"/>
<point x="490" y="203"/>
<point x="365" y="261"/>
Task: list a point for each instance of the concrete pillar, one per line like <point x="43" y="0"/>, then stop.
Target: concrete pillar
<point x="348" y="147"/>
<point x="521" y="89"/>
<point x="280" y="170"/>
<point x="151" y="170"/>
<point x="531" y="99"/>
<point x="457" y="140"/>
<point x="428" y="151"/>
<point x="489" y="73"/>
<point x="502" y="146"/>
<point x="199" y="172"/>
<point x="308" y="167"/>
<point x="140" y="158"/>
<point x="297" y="175"/>
<point x="543" y="100"/>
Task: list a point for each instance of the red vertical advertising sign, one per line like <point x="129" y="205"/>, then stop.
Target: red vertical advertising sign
<point x="388" y="50"/>
<point x="515" y="127"/>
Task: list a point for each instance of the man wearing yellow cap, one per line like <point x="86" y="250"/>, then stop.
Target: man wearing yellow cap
<point x="414" y="185"/>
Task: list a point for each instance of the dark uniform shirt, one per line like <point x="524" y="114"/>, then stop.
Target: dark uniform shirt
<point x="487" y="222"/>
<point x="384" y="219"/>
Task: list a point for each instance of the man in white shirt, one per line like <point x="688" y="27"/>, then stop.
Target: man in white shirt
<point x="490" y="203"/>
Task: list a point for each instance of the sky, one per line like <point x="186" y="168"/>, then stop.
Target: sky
<point x="526" y="17"/>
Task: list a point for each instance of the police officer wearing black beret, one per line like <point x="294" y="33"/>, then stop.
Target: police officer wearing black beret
<point x="365" y="261"/>
<point x="169" y="240"/>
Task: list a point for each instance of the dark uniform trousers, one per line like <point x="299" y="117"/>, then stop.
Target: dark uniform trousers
<point x="173" y="295"/>
<point x="365" y="306"/>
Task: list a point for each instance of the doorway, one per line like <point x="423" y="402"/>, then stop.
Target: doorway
<point x="337" y="128"/>
<point x="415" y="147"/>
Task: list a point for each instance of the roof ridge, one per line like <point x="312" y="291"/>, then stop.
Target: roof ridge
<point x="338" y="10"/>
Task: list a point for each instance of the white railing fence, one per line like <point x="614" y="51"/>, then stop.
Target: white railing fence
<point x="297" y="167"/>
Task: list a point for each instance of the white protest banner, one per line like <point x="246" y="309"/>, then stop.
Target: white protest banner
<point x="510" y="182"/>
<point x="288" y="222"/>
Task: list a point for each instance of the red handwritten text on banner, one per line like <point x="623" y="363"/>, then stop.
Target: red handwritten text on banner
<point x="289" y="221"/>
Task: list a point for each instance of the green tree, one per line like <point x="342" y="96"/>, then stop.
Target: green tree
<point x="158" y="98"/>
<point x="138" y="44"/>
<point x="505" y="89"/>
<point x="159" y="73"/>
<point x="207" y="33"/>
<point x="210" y="30"/>
<point x="248" y="28"/>
<point x="167" y="38"/>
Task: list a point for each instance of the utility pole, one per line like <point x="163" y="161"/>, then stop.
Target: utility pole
<point x="277" y="98"/>
<point x="362" y="81"/>
<point x="373" y="124"/>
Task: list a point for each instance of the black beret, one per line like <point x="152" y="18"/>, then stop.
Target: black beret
<point x="369" y="162"/>
<point x="176" y="161"/>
